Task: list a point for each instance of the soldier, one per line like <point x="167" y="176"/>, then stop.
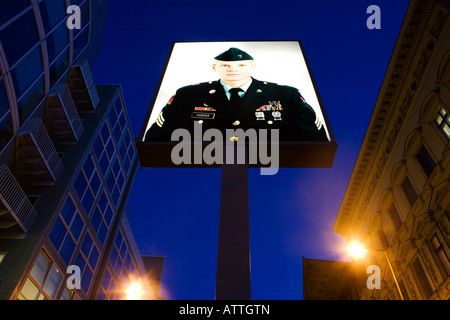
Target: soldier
<point x="237" y="100"/>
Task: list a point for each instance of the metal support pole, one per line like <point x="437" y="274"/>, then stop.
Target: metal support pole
<point x="393" y="275"/>
<point x="233" y="257"/>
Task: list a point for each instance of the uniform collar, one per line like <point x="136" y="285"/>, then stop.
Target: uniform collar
<point x="243" y="87"/>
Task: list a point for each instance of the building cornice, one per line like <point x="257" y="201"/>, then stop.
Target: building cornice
<point x="424" y="18"/>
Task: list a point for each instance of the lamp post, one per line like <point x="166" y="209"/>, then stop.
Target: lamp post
<point x="358" y="251"/>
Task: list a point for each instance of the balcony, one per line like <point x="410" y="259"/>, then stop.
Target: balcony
<point x="17" y="214"/>
<point x="62" y="120"/>
<point x="82" y="86"/>
<point x="37" y="161"/>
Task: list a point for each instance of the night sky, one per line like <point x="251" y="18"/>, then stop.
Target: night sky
<point x="175" y="212"/>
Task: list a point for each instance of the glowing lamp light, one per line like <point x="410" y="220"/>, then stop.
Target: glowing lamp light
<point x="134" y="291"/>
<point x="356" y="250"/>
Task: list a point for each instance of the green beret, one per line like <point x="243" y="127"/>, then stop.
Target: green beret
<point x="234" y="54"/>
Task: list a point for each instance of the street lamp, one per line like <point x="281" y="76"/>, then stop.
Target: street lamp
<point x="358" y="251"/>
<point x="133" y="292"/>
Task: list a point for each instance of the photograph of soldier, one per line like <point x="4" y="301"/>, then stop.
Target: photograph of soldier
<point x="237" y="100"/>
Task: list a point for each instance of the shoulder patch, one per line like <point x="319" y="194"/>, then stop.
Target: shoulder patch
<point x="170" y="100"/>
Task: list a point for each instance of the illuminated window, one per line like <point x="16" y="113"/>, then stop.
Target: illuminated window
<point x="440" y="251"/>
<point x="43" y="281"/>
<point x="2" y="256"/>
<point x="425" y="160"/>
<point x="443" y="122"/>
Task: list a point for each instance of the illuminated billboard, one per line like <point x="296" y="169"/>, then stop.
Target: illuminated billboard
<point x="212" y="95"/>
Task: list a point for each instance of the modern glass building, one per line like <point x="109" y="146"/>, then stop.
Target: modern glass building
<point x="67" y="159"/>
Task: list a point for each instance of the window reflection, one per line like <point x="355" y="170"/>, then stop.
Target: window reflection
<point x="31" y="99"/>
<point x="58" y="67"/>
<point x="4" y="102"/>
<point x="57" y="41"/>
<point x="10" y="9"/>
<point x="28" y="69"/>
<point x="52" y="12"/>
<point x="16" y="47"/>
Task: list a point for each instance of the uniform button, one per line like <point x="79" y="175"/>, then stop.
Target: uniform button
<point x="200" y="121"/>
<point x="236" y="123"/>
<point x="270" y="122"/>
<point x="234" y="138"/>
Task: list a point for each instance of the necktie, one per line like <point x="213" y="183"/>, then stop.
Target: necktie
<point x="235" y="99"/>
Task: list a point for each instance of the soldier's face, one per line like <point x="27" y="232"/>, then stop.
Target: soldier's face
<point x="234" y="70"/>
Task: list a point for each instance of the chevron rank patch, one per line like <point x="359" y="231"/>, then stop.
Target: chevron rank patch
<point x="160" y="120"/>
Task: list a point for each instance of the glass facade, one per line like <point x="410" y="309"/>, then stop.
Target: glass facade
<point x="80" y="209"/>
<point x="36" y="62"/>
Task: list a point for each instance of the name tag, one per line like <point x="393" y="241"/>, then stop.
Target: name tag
<point x="202" y="115"/>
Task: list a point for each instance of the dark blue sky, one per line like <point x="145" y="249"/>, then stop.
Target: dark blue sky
<point x="175" y="212"/>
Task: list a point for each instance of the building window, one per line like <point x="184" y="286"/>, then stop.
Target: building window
<point x="67" y="230"/>
<point x="395" y="217"/>
<point x="104" y="148"/>
<point x="87" y="261"/>
<point x="87" y="184"/>
<point x="57" y="41"/>
<point x="440" y="252"/>
<point x="116" y="181"/>
<point x="382" y="239"/>
<point x="425" y="160"/>
<point x="402" y="286"/>
<point x="43" y="281"/>
<point x="80" y="41"/>
<point x="117" y="119"/>
<point x="26" y="27"/>
<point x="52" y="12"/>
<point x="121" y="260"/>
<point x="27" y="71"/>
<point x="421" y="279"/>
<point x="10" y="9"/>
<point x="102" y="217"/>
<point x="67" y="294"/>
<point x="108" y="285"/>
<point x="410" y="192"/>
<point x="4" y="102"/>
<point x="443" y="122"/>
<point x="127" y="151"/>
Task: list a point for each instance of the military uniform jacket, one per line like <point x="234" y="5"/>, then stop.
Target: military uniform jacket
<point x="264" y="106"/>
